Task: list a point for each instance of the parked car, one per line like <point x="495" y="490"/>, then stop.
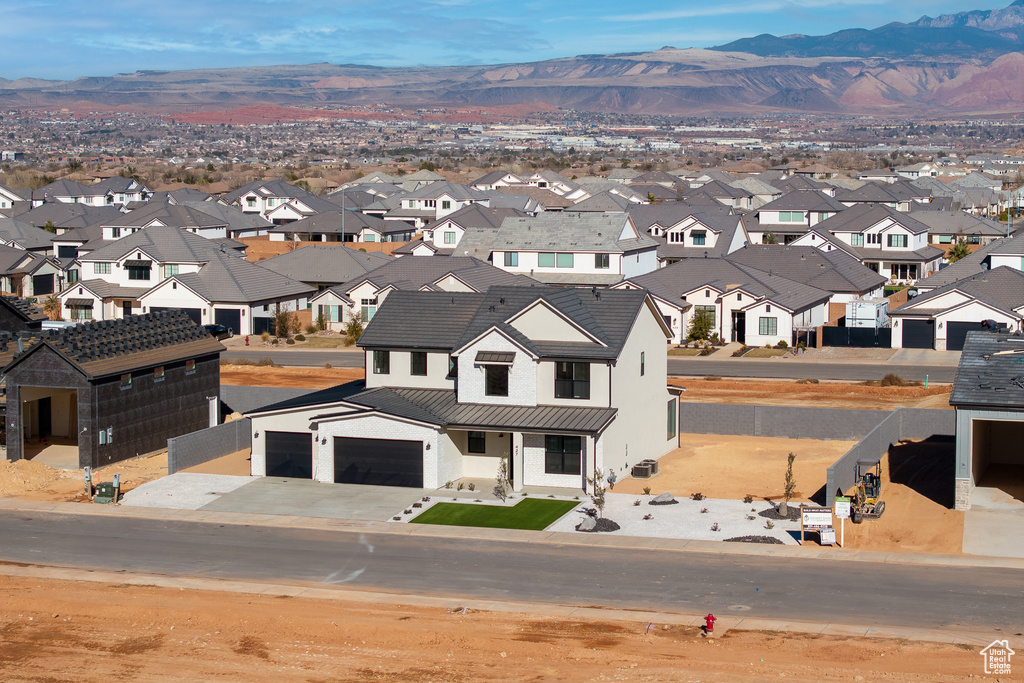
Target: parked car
<point x="218" y="331"/>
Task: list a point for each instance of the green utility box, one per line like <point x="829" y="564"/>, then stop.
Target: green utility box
<point x="106" y="492"/>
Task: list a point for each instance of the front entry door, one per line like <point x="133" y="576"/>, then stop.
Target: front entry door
<point x="739" y="327"/>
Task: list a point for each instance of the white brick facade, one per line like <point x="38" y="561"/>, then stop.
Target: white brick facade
<point x="522" y="376"/>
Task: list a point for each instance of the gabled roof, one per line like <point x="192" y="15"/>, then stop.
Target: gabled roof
<point x="476" y="216"/>
<point x="231" y="216"/>
<point x="61" y="188"/>
<point x="14" y="260"/>
<point x="959" y="223"/>
<point x="799" y="182"/>
<point x="266" y="188"/>
<point x="332" y="263"/>
<point x="111" y="347"/>
<point x="437" y="189"/>
<point x="493" y="177"/>
<point x="410" y="272"/>
<point x="602" y="202"/>
<point x="23" y="234"/>
<point x="863" y="216"/>
<point x="569" y="231"/>
<point x="225" y="278"/>
<point x="990" y="372"/>
<point x="68" y="216"/>
<point x="168" y="214"/>
<point x="805" y="200"/>
<point x="165" y="244"/>
<point x="831" y="271"/>
<point x="544" y="196"/>
<point x="329" y="223"/>
<point x="1001" y="288"/>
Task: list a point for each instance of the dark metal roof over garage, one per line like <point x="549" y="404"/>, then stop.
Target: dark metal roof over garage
<point x="991" y="372"/>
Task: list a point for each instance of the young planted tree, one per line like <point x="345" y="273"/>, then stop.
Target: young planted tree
<point x="51" y="307"/>
<point x="282" y="321"/>
<point x="597" y="496"/>
<point x="958" y="251"/>
<point x="701" y="326"/>
<point x="354" y="327"/>
<point x="790" y="485"/>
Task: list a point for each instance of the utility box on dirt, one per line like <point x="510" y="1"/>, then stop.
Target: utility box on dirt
<point x="106" y="492"/>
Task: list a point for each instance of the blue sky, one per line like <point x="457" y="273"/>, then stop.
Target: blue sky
<point x="72" y="38"/>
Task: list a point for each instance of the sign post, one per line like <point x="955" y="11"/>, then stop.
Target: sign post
<point x="843" y="513"/>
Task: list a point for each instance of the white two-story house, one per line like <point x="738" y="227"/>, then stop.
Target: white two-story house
<point x="792" y="215"/>
<point x="560" y="382"/>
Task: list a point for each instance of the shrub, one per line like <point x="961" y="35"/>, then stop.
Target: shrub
<point x="647" y="490"/>
<point x="648" y="516"/>
<point x="265" y="336"/>
<point x="697" y="496"/>
<point x="300" y="337"/>
<point x="893" y="380"/>
<point x="471" y="486"/>
<point x="265" y="363"/>
<point x="460" y="486"/>
<point x="636" y="503"/>
<point x="782" y="345"/>
<point x="289" y="341"/>
<point x="748" y="499"/>
<point x="328" y="366"/>
<point x="311" y="329"/>
<point x="714" y="527"/>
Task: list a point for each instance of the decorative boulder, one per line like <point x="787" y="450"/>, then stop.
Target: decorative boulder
<point x="588" y="524"/>
<point x="664" y="499"/>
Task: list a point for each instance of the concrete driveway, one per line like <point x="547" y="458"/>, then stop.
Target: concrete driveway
<point x="995" y="524"/>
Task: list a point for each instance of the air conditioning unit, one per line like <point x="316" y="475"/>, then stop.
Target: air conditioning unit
<point x="652" y="463"/>
<point x="641" y="470"/>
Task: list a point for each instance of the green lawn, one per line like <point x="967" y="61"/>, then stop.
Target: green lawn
<point x="529" y="513"/>
<point x="679" y="351"/>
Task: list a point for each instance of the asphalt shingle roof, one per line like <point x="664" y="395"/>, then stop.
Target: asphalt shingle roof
<point x="991" y="372"/>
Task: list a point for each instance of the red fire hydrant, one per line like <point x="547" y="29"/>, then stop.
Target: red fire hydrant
<point x="246" y="340"/>
<point x="709" y="622"/>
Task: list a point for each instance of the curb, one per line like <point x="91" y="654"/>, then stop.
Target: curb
<point x="452" y="605"/>
<point x="514" y="536"/>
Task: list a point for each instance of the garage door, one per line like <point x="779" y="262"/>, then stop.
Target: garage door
<point x="194" y="313"/>
<point x="956" y="334"/>
<point x="378" y="462"/>
<point x="290" y="455"/>
<point x="229" y="319"/>
<point x="42" y="284"/>
<point x="918" y="334"/>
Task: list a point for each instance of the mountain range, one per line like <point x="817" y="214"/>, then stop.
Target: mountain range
<point x="960" y="64"/>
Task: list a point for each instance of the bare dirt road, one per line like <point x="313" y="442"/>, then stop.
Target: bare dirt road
<point x="75" y="631"/>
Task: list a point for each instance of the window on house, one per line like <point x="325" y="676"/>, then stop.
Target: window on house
<point x="126" y="381"/>
<point x="250" y="202"/>
<point x="449" y="237"/>
<point x="67" y="252"/>
<point x="945" y="239"/>
<point x="545" y="260"/>
<point x="643" y="363"/>
<point x="671" y="418"/>
<point x="190" y="367"/>
<point x="158" y="373"/>
<point x="897" y="240"/>
<point x="115" y="232"/>
<point x="367" y="309"/>
<point x="72" y="276"/>
<point x="709" y="311"/>
<point x="478" y="442"/>
<point x="511" y="259"/>
<point x="370" y="237"/>
<point x="822" y="216"/>
<point x="857" y="239"/>
<point x="453" y="366"/>
<point x="81" y="312"/>
<point x="139" y="272"/>
<point x="381" y="362"/>
<point x="170" y="269"/>
<point x="768" y="309"/>
<point x="101" y="268"/>
<point x="564" y="260"/>
<point x="699" y="237"/>
<point x="768" y="326"/>
<point x="418" y="363"/>
<point x="445" y="204"/>
<point x="562" y="454"/>
<point x="602" y="261"/>
<point x="496" y="380"/>
<point x="973" y="239"/>
<point x="874" y="238"/>
<point x="791" y="216"/>
<point x="572" y="380"/>
<point x="103" y="437"/>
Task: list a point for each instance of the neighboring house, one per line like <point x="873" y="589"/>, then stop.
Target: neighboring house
<point x="914" y="171"/>
<point x="723" y="193"/>
<point x="561" y="382"/>
<point x="239" y="224"/>
<point x="816" y="171"/>
<point x="445" y="233"/>
<point x="26" y="274"/>
<point x="364" y="293"/>
<point x="556" y="182"/>
<point x="496" y="179"/>
<point x="66" y="217"/>
<point x="433" y="201"/>
<point x="263" y="196"/>
<point x="879" y="175"/>
<point x="892" y="243"/>
<point x="989" y="403"/>
<point x="113" y="389"/>
<point x="941" y="318"/>
<point x="580" y="249"/>
<point x="112" y="191"/>
<point x="324" y="266"/>
<point x="9" y="198"/>
<point x="793" y="214"/>
<point x="20" y="235"/>
<point x="342" y="226"/>
<point x="297" y="208"/>
<point x="762" y="192"/>
<point x="545" y="199"/>
<point x="115" y="275"/>
<point x="165" y="214"/>
<point x="685" y="231"/>
<point x="946" y="227"/>
<point x="746" y="304"/>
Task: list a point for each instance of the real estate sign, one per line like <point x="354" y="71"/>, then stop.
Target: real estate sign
<point x="842" y="507"/>
<point x="816" y="518"/>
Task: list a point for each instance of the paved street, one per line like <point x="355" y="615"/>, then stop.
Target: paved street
<point x="887" y="594"/>
<point x="699" y="367"/>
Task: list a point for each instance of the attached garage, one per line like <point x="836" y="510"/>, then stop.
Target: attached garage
<point x="289" y="454"/>
<point x="229" y="318"/>
<point x="918" y="334"/>
<point x="42" y="284"/>
<point x="956" y="334"/>
<point x="194" y="313"/>
<point x="378" y="462"/>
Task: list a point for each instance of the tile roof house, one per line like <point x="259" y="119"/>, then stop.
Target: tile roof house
<point x="434" y="201"/>
<point x="28" y="274"/>
<point x="263" y="196"/>
<point x="988" y="395"/>
<point x="342" y="226"/>
<point x="941" y="318"/>
<point x="561" y="382"/>
<point x="9" y="199"/>
<point x="323" y="266"/>
<point x="685" y="231"/>
<point x="364" y="293"/>
<point x="444" y="233"/>
<point x="893" y="243"/>
<point x="112" y="191"/>
<point x="114" y="389"/>
<point x="748" y="305"/>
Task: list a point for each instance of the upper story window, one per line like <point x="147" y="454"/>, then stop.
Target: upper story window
<point x="822" y="216"/>
<point x="511" y="259"/>
<point x="381" y="362"/>
<point x="546" y="260"/>
<point x="449" y="237"/>
<point x="115" y="232"/>
<point x="496" y="380"/>
<point x="445" y="204"/>
<point x="250" y="202"/>
<point x="791" y="216"/>
<point x="857" y="239"/>
<point x="65" y="251"/>
<point x="139" y="272"/>
<point x="453" y="366"/>
<point x="602" y="261"/>
<point x="643" y="363"/>
<point x="190" y="366"/>
<point x="572" y="380"/>
<point x="158" y="373"/>
<point x="874" y="238"/>
<point x="418" y="363"/>
<point x="101" y="268"/>
<point x="564" y="260"/>
<point x="170" y="269"/>
<point x="899" y="241"/>
<point x="699" y="238"/>
<point x="126" y="381"/>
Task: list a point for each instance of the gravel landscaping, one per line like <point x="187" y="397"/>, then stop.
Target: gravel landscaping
<point x="685" y="520"/>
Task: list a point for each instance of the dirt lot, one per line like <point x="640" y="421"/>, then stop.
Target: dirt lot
<point x="76" y="631"/>
<point x="917" y="484"/>
<point x="36" y="481"/>
<point x="821" y="395"/>
<point x="310" y="378"/>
